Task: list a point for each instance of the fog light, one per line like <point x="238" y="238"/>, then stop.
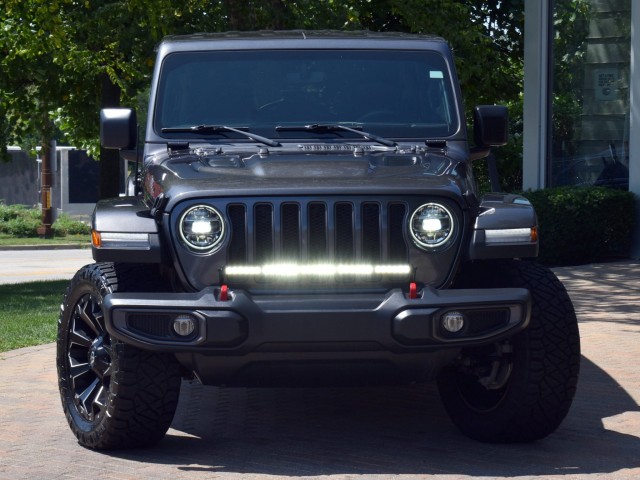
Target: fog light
<point x="453" y="321"/>
<point x="184" y="325"/>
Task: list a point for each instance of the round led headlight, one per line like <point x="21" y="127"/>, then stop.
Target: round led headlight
<point x="201" y="227"/>
<point x="431" y="225"/>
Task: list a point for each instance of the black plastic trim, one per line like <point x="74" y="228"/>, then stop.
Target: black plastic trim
<point x="265" y="321"/>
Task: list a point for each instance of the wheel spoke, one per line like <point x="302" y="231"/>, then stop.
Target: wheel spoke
<point x="99" y="400"/>
<point x="78" y="336"/>
<point x="87" y="397"/>
<point x="77" y="368"/>
<point x="86" y="310"/>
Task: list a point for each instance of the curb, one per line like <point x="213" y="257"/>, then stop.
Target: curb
<point x="53" y="246"/>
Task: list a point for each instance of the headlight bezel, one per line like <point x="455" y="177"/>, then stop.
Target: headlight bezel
<point x="449" y="227"/>
<point x="186" y="237"/>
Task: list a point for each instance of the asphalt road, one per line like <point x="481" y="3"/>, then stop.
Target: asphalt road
<point x="18" y="266"/>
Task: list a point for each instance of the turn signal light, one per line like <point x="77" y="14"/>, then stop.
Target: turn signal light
<point x="95" y="239"/>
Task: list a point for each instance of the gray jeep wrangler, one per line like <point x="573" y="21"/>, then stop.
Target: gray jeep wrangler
<point x="305" y="213"/>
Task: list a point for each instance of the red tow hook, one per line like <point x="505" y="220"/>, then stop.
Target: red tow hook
<point x="413" y="291"/>
<point x="224" y="293"/>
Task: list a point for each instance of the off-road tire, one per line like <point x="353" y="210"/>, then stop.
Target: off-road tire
<point x="113" y="395"/>
<point x="545" y="361"/>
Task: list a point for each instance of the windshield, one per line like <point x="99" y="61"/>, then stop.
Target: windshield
<point x="398" y="94"/>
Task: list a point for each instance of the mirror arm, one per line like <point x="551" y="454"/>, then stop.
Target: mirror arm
<point x="478" y="153"/>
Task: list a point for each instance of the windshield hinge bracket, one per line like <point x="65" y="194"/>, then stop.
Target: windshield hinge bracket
<point x="177" y="146"/>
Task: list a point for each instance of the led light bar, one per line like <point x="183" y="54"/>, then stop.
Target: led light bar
<point x="510" y="235"/>
<point x="293" y="270"/>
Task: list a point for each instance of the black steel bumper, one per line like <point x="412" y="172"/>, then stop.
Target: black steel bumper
<point x="316" y="338"/>
<point x="377" y="321"/>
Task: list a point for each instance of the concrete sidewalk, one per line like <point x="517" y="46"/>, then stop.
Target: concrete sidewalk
<point x="352" y="432"/>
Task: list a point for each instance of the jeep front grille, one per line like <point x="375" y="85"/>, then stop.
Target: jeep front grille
<point x="341" y="231"/>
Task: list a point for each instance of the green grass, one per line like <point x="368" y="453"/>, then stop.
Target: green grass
<point x="29" y="313"/>
<point x="9" y="240"/>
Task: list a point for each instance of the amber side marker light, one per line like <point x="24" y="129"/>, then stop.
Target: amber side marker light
<point x="133" y="241"/>
<point x="534" y="234"/>
<point x="95" y="239"/>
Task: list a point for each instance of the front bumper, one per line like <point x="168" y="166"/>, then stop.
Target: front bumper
<point x="320" y="338"/>
<point x="245" y="323"/>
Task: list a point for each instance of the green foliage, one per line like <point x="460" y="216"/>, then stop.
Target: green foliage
<point x="22" y="222"/>
<point x="65" y="225"/>
<point x="583" y="224"/>
<point x="486" y="38"/>
<point x="57" y="55"/>
<point x="9" y="212"/>
<point x="25" y="226"/>
<point x="19" y="220"/>
<point x="62" y="60"/>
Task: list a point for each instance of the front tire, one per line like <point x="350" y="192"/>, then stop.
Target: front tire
<point x="519" y="390"/>
<point x="113" y="395"/>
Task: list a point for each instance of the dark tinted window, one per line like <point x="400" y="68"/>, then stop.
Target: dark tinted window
<point x="393" y="93"/>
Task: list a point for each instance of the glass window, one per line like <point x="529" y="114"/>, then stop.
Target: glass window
<point x="590" y="101"/>
<point x="393" y="93"/>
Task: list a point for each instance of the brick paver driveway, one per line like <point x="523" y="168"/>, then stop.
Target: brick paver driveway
<point x="352" y="432"/>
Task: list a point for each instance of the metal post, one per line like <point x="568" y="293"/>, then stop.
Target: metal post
<point x="634" y="123"/>
<point x="536" y="92"/>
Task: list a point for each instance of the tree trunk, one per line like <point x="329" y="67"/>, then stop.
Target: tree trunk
<point x="109" y="159"/>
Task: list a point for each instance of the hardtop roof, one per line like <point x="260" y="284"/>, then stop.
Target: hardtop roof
<point x="301" y="39"/>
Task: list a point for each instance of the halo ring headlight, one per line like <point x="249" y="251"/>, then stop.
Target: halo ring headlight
<point x="201" y="228"/>
<point x="431" y="225"/>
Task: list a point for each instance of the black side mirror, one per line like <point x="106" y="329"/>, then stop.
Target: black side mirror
<point x="490" y="129"/>
<point x="490" y="125"/>
<point x="118" y="128"/>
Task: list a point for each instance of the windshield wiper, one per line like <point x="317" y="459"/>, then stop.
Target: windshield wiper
<point x="334" y="127"/>
<point x="219" y="129"/>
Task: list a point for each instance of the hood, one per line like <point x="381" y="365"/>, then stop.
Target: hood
<point x="193" y="174"/>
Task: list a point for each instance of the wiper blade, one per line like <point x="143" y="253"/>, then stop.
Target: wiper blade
<point x="219" y="129"/>
<point x="333" y="127"/>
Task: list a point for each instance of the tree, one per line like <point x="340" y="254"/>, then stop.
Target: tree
<point x="65" y="59"/>
<point x="32" y="84"/>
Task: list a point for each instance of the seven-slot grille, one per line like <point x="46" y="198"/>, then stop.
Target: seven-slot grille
<point x="309" y="231"/>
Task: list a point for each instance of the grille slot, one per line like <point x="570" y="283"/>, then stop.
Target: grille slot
<point x="344" y="232"/>
<point x="290" y="231"/>
<point x="157" y="325"/>
<point x="317" y="231"/>
<point x="263" y="219"/>
<point x="371" y="246"/>
<point x="341" y="231"/>
<point x="397" y="246"/>
<point x="238" y="246"/>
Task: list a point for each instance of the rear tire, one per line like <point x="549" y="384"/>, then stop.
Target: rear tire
<point x="113" y="395"/>
<point x="538" y="367"/>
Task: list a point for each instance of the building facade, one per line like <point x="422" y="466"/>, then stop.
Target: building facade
<point x="582" y="95"/>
